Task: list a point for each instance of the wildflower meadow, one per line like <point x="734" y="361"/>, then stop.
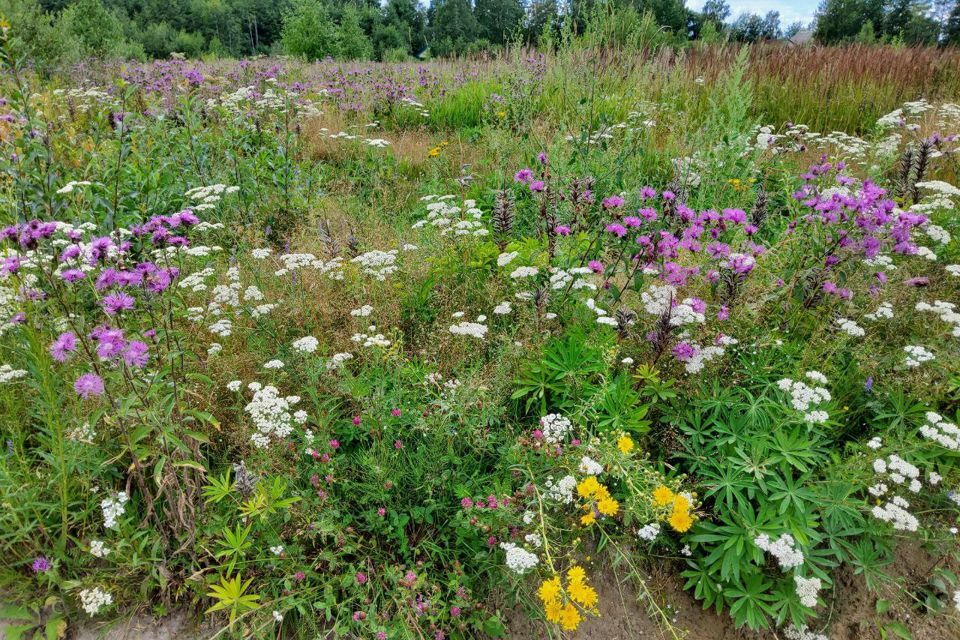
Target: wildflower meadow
<point x="580" y="341"/>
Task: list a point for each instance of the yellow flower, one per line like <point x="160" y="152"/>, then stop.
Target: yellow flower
<point x="433" y="153"/>
<point x="608" y="507"/>
<point x="662" y="496"/>
<point x="588" y="519"/>
<point x="681" y="521"/>
<point x="549" y="590"/>
<point x="625" y="444"/>
<point x="570" y="618"/>
<point x="588" y="486"/>
<point x="554" y="611"/>
<point x="583" y="594"/>
<point x="501" y="114"/>
<point x="681" y="504"/>
<point x="576" y="575"/>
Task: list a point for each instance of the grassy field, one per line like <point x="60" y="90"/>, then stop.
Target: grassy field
<point x="468" y="349"/>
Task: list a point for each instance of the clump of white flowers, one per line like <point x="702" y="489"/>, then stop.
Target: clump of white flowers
<point x="270" y="413"/>
<point x="784" y="549"/>
<point x="337" y="360"/>
<point x="502" y="309"/>
<point x="524" y="272"/>
<point x="561" y="490"/>
<point x="899" y="471"/>
<point x="465" y="220"/>
<point x="917" y="355"/>
<point x="944" y="433"/>
<point x="884" y="311"/>
<point x="273" y="364"/>
<point x="649" y="532"/>
<point x="807" y="590"/>
<point x="555" y="428"/>
<point x="362" y="312"/>
<point x="802" y="633"/>
<point x="476" y="329"/>
<point x="99" y="549"/>
<point x="946" y="311"/>
<point x="371" y="338"/>
<point x="895" y="512"/>
<point x="306" y="344"/>
<point x="589" y="466"/>
<point x="113" y="507"/>
<point x="9" y="374"/>
<point x="234" y="385"/>
<point x="804" y="397"/>
<point x="519" y="560"/>
<point x="95" y="599"/>
<point x="850" y="328"/>
<point x="378" y="264"/>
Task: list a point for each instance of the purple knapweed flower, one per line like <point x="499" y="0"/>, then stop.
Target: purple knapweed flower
<point x="89" y="384"/>
<point x="63" y="346"/>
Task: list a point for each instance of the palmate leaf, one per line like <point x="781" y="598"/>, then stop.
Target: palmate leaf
<point x="231" y="594"/>
<point x="751" y="602"/>
<point x="218" y="489"/>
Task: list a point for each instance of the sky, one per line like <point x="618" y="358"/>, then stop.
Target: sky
<point x="790" y="10"/>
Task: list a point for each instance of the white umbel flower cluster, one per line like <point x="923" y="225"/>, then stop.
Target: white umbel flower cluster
<point x="378" y="264"/>
<point x="270" y="413"/>
<point x="561" y="490"/>
<point x="338" y="359"/>
<point x="453" y="220"/>
<point x="802" y="633"/>
<point x="946" y="311"/>
<point x="555" y="428"/>
<point x="9" y="374"/>
<point x="306" y="344"/>
<point x="850" y="328"/>
<point x="519" y="560"/>
<point x="95" y="599"/>
<point x="649" y="532"/>
<point x="784" y="549"/>
<point x="895" y="512"/>
<point x="590" y="467"/>
<point x="805" y="398"/>
<point x="99" y="549"/>
<point x="883" y="312"/>
<point x="113" y="508"/>
<point x="807" y="590"/>
<point x="371" y="338"/>
<point x="917" y="355"/>
<point x="944" y="433"/>
<point x="476" y="329"/>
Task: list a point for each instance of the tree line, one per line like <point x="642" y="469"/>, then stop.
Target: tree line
<point x="54" y="31"/>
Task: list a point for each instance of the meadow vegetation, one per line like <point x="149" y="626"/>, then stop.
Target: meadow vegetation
<point x="376" y="350"/>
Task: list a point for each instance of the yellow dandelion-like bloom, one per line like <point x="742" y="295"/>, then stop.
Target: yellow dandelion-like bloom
<point x="608" y="507"/>
<point x="588" y="486"/>
<point x="583" y="595"/>
<point x="433" y="153"/>
<point x="662" y="496"/>
<point x="625" y="444"/>
<point x="576" y="575"/>
<point x="554" y="611"/>
<point x="570" y="618"/>
<point x="602" y="493"/>
<point x="549" y="590"/>
<point x="588" y="519"/>
<point x="681" y="521"/>
<point x="681" y="503"/>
